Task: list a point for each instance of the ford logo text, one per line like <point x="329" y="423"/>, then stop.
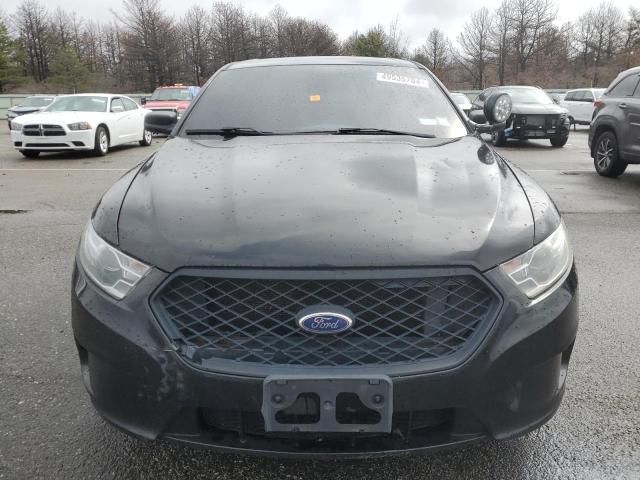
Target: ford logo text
<point x="325" y="322"/>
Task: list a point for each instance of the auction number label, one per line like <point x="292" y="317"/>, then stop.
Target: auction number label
<point x="402" y="80"/>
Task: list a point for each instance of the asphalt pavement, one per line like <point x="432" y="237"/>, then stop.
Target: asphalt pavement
<point x="48" y="428"/>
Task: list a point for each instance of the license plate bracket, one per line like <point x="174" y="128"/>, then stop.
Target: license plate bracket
<point x="337" y="409"/>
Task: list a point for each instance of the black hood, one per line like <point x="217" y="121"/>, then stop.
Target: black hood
<point x="325" y="201"/>
<point x="538" y="109"/>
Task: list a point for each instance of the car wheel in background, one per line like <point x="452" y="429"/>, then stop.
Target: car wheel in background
<point x="101" y="144"/>
<point x="147" y="137"/>
<point x="498" y="138"/>
<point x="606" y="159"/>
<point x="559" y="141"/>
<point x="30" y="153"/>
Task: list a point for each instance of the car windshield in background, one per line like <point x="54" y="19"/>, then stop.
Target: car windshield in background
<point x="599" y="91"/>
<point x="80" y="103"/>
<point x="460" y="98"/>
<point x="326" y="98"/>
<point x="36" y="101"/>
<point x="528" y="95"/>
<point x="178" y="94"/>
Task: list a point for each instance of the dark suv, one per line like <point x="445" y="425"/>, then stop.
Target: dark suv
<point x="534" y="116"/>
<point x="614" y="136"/>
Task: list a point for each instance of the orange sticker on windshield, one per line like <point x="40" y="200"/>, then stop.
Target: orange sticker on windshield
<point x="314" y="98"/>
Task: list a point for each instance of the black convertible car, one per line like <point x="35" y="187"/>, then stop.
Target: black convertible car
<point x="534" y="116"/>
<point x="325" y="258"/>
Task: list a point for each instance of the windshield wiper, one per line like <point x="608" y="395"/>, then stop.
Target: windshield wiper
<point x="378" y="131"/>
<point x="227" y="132"/>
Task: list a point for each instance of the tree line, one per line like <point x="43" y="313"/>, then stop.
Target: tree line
<point x="143" y="46"/>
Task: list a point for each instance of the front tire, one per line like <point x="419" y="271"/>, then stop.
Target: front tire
<point x="606" y="157"/>
<point x="101" y="143"/>
<point x="559" y="141"/>
<point x="498" y="138"/>
<point x="147" y="137"/>
<point x="30" y="153"/>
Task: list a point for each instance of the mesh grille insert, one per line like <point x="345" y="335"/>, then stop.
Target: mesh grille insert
<point x="397" y="321"/>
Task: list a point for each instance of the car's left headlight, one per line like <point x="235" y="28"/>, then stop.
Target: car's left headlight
<point x="539" y="268"/>
<point x="113" y="271"/>
<point x="79" y="126"/>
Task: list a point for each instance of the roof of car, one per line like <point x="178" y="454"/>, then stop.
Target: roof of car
<point x="334" y="60"/>
<point x="91" y="95"/>
<point x="516" y="86"/>
<point x="631" y="70"/>
<point x="585" y="88"/>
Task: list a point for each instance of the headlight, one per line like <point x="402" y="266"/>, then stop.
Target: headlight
<point x="180" y="111"/>
<point x="113" y="271"/>
<point x="16" y="126"/>
<point x="79" y="126"/>
<point x="536" y="270"/>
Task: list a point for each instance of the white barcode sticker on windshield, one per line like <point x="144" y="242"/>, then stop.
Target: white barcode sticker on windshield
<point x="402" y="80"/>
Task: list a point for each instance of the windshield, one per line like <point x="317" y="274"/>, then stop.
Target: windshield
<point x="36" y="101"/>
<point x="460" y="98"/>
<point x="319" y="98"/>
<point x="528" y="95"/>
<point x="79" y="103"/>
<point x="177" y="94"/>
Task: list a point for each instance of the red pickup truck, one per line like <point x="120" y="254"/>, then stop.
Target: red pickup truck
<point x="175" y="97"/>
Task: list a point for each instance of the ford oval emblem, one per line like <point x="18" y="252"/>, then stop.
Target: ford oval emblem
<point x="325" y="322"/>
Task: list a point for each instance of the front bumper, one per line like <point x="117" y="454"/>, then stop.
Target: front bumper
<point x="71" y="140"/>
<point x="522" y="128"/>
<point x="513" y="382"/>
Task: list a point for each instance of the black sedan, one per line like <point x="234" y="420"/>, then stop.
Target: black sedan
<point x="325" y="258"/>
<point x="534" y="116"/>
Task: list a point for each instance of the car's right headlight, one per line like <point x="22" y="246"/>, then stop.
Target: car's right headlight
<point x="79" y="126"/>
<point x="539" y="268"/>
<point x="113" y="271"/>
<point x="15" y="125"/>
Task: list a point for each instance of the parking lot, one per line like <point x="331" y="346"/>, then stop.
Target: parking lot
<point x="48" y="428"/>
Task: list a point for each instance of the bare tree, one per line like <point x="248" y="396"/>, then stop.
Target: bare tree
<point x="435" y="53"/>
<point x="304" y="37"/>
<point x="475" y="42"/>
<point x="528" y="19"/>
<point x="501" y="39"/>
<point x="196" y="33"/>
<point x="31" y="20"/>
<point x="279" y="19"/>
<point x="149" y="42"/>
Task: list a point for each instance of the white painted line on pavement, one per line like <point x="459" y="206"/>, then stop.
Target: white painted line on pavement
<point x="555" y="170"/>
<point x="64" y="169"/>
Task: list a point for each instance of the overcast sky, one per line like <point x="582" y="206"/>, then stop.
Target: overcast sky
<point x="416" y="17"/>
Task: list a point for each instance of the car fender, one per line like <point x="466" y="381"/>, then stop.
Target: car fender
<point x="104" y="217"/>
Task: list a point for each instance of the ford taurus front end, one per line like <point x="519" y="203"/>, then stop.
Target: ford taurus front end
<point x="306" y="274"/>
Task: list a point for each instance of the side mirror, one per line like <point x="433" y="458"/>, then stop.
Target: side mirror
<point x="143" y="101"/>
<point x="161" y="122"/>
<point x="477" y="116"/>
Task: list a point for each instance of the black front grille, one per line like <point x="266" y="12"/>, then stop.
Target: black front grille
<point x="31" y="130"/>
<point x="45" y="130"/>
<point x="397" y="321"/>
